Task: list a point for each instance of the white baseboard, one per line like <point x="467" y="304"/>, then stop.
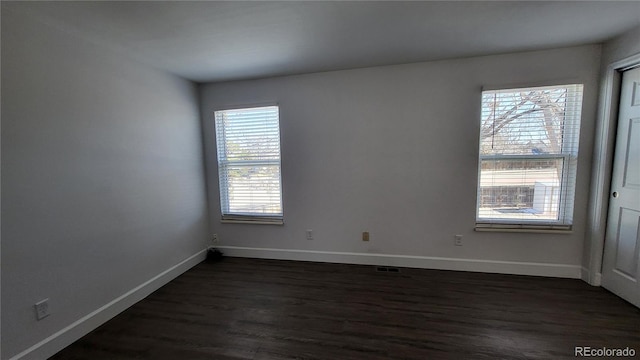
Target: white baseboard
<point x="63" y="338"/>
<point x="584" y="274"/>
<point x="423" y="262"/>
<point x="595" y="280"/>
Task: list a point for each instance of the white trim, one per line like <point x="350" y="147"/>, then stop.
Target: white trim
<point x="423" y="262"/>
<point x="63" y="338"/>
<point x="530" y="84"/>
<point x="603" y="164"/>
<point x="239" y="106"/>
<point x="253" y="222"/>
<point x="524" y="228"/>
<point x="595" y="280"/>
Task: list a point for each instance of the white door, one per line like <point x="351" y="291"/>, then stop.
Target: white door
<point x="621" y="265"/>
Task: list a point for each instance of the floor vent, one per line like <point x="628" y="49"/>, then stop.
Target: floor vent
<point x="388" y="269"/>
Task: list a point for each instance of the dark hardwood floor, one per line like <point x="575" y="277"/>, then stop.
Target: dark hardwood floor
<point x="270" y="309"/>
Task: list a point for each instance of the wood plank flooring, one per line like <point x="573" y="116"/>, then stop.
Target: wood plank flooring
<point x="271" y="309"/>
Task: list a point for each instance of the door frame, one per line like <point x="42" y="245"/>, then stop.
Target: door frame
<point x="602" y="170"/>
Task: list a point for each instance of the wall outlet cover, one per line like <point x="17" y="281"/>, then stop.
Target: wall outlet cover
<point x="42" y="309"/>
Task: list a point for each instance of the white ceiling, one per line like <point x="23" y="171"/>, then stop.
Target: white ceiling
<point x="218" y="41"/>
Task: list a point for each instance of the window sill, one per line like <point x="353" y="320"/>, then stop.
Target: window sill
<point x="550" y="229"/>
<point x="254" y="222"/>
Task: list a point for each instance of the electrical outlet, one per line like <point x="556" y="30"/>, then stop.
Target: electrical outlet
<point x="365" y="236"/>
<point x="215" y="238"/>
<point x="309" y="234"/>
<point x="42" y="309"/>
<point x="458" y="240"/>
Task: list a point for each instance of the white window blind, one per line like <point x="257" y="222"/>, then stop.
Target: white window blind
<point x="528" y="157"/>
<point x="248" y="142"/>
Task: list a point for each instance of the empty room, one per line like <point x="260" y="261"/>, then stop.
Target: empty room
<point x="320" y="180"/>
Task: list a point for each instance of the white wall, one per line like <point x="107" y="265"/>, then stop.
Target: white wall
<point x="102" y="177"/>
<point x="621" y="47"/>
<point x="394" y="150"/>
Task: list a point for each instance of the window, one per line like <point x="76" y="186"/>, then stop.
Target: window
<point x="528" y="157"/>
<point x="248" y="142"/>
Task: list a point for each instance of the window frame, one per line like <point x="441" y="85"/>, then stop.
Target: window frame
<point x="247" y="218"/>
<point x="568" y="155"/>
